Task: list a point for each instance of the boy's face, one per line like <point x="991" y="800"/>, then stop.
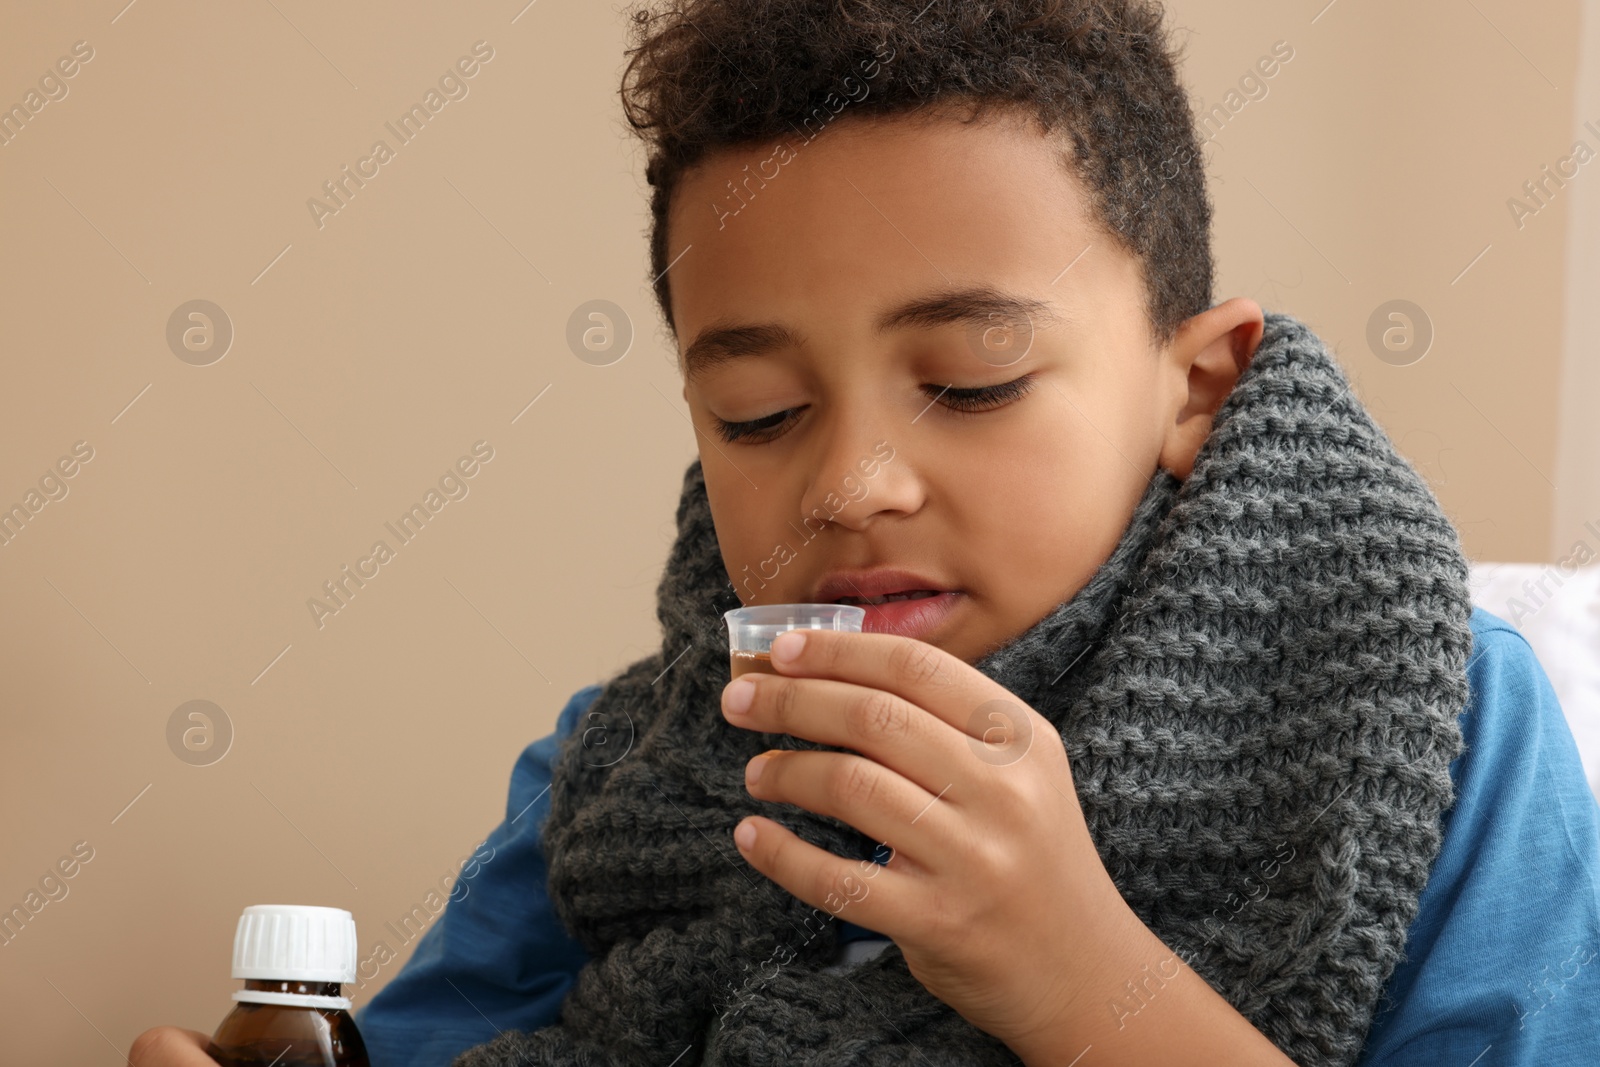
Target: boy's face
<point x="855" y="294"/>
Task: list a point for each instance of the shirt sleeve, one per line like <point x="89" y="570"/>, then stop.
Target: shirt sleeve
<point x="498" y="957"/>
<point x="1502" y="962"/>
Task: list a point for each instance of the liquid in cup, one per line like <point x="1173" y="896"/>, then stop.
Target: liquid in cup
<point x="751" y="630"/>
<point x="748" y="662"/>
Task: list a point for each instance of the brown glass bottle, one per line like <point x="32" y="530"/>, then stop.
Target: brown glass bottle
<point x="288" y="1035"/>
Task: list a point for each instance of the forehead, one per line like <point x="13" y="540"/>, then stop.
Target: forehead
<point x="847" y="226"/>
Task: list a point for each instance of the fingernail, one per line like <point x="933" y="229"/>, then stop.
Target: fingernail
<point x="753" y="769"/>
<point x="787" y="645"/>
<point x="737" y="697"/>
<point x="744" y="835"/>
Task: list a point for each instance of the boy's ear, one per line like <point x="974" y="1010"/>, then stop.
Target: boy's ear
<point x="1204" y="361"/>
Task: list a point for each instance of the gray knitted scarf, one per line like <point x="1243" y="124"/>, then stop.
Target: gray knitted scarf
<point x="1258" y="691"/>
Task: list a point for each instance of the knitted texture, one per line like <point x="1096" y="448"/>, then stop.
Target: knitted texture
<point x="1258" y="691"/>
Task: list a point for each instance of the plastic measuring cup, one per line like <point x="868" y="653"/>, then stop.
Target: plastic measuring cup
<point x="751" y="630"/>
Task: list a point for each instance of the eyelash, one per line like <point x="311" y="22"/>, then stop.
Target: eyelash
<point x="973" y="401"/>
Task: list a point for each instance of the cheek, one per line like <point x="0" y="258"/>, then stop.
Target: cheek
<point x="1043" y="519"/>
<point x="1040" y="524"/>
<point x="758" y="556"/>
<point x="738" y="531"/>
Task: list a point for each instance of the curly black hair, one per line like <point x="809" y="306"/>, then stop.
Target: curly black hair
<point x="705" y="75"/>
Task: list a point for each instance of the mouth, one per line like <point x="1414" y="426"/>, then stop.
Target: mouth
<point x="889" y="598"/>
<point x="876" y="586"/>
<point x="918" y="613"/>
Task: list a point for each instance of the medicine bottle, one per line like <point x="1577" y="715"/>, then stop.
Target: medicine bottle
<point x="291" y="1012"/>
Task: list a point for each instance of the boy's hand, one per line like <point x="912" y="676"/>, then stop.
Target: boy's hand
<point x="168" y="1046"/>
<point x="994" y="892"/>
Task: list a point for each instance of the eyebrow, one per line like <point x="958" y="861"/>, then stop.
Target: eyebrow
<point x="980" y="305"/>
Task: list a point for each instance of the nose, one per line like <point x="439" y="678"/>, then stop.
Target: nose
<point x="859" y="474"/>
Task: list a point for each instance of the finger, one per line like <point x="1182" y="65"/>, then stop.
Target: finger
<point x="170" y="1046"/>
<point x="858" y="891"/>
<point x="868" y="796"/>
<point x="957" y="693"/>
<point x="880" y="725"/>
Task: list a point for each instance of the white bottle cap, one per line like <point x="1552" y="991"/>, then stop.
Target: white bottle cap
<point x="295" y="942"/>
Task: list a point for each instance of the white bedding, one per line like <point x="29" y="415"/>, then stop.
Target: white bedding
<point x="1560" y="618"/>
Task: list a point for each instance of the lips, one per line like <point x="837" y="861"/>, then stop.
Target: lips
<point x="917" y="594"/>
<point x="895" y="601"/>
<point x="876" y="586"/>
<point x="921" y="617"/>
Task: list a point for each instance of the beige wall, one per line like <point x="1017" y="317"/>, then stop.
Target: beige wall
<point x="370" y="352"/>
<point x="1577" y="510"/>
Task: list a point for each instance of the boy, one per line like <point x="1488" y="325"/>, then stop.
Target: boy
<point x="1173" y="737"/>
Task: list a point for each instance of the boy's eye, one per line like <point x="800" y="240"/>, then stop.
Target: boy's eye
<point x="983" y="398"/>
<point x="754" y="428"/>
<point x="962" y="401"/>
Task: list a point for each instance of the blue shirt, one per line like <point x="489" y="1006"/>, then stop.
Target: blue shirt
<point x="1501" y="963"/>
